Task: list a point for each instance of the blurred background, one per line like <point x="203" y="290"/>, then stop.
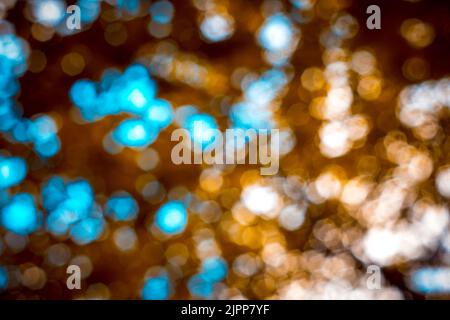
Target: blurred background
<point x="86" y="176"/>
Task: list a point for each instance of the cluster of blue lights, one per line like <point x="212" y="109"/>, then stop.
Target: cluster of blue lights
<point x="20" y="214"/>
<point x="41" y="131"/>
<point x="431" y="280"/>
<point x="12" y="171"/>
<point x="72" y="210"/>
<point x="132" y="92"/>
<point x="202" y="129"/>
<point x="213" y="270"/>
<point x="156" y="288"/>
<point x="122" y="207"/>
<point x="171" y="218"/>
<point x="255" y="111"/>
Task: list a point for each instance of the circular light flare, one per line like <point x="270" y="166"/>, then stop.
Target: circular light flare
<point x="49" y="12"/>
<point x="443" y="181"/>
<point x="171" y="218"/>
<point x="262" y="200"/>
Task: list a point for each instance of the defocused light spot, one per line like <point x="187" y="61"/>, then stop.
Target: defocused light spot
<point x="312" y="79"/>
<point x="211" y="180"/>
<point x="199" y="286"/>
<point x="431" y="280"/>
<point x="58" y="254"/>
<point x="158" y="30"/>
<point x="20" y="214"/>
<point x="125" y="238"/>
<point x="201" y="129"/>
<point x="363" y="62"/>
<point x="276" y="33"/>
<point x="15" y="242"/>
<point x="87" y="230"/>
<point x="355" y="192"/>
<point x="85" y="264"/>
<point x="12" y="171"/>
<point x="49" y="12"/>
<point x="148" y="159"/>
<point x="134" y="133"/>
<point x="41" y="32"/>
<point x="415" y="69"/>
<point x="162" y="11"/>
<point x="369" y="87"/>
<point x="292" y="217"/>
<point x="72" y="64"/>
<point x="261" y="200"/>
<point x="418" y="34"/>
<point x="34" y="278"/>
<point x="171" y="218"/>
<point x="217" y="27"/>
<point x="122" y="207"/>
<point x="246" y="265"/>
<point x="159" y="113"/>
<point x="156" y="288"/>
<point x="443" y="181"/>
<point x="214" y="269"/>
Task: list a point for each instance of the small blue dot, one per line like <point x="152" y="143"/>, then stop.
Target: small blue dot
<point x="122" y="207"/>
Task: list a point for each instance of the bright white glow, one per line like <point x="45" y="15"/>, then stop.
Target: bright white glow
<point x="274" y="254"/>
<point x="420" y="167"/>
<point x="49" y="12"/>
<point x="420" y="103"/>
<point x="404" y="240"/>
<point x="137" y="132"/>
<point x="328" y="185"/>
<point x="261" y="200"/>
<point x="338" y="102"/>
<point x="276" y="34"/>
<point x="386" y="206"/>
<point x="355" y="192"/>
<point x="137" y="98"/>
<point x="382" y="245"/>
<point x="335" y="140"/>
<point x="443" y="182"/>
<point x="217" y="27"/>
<point x="5" y="171"/>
